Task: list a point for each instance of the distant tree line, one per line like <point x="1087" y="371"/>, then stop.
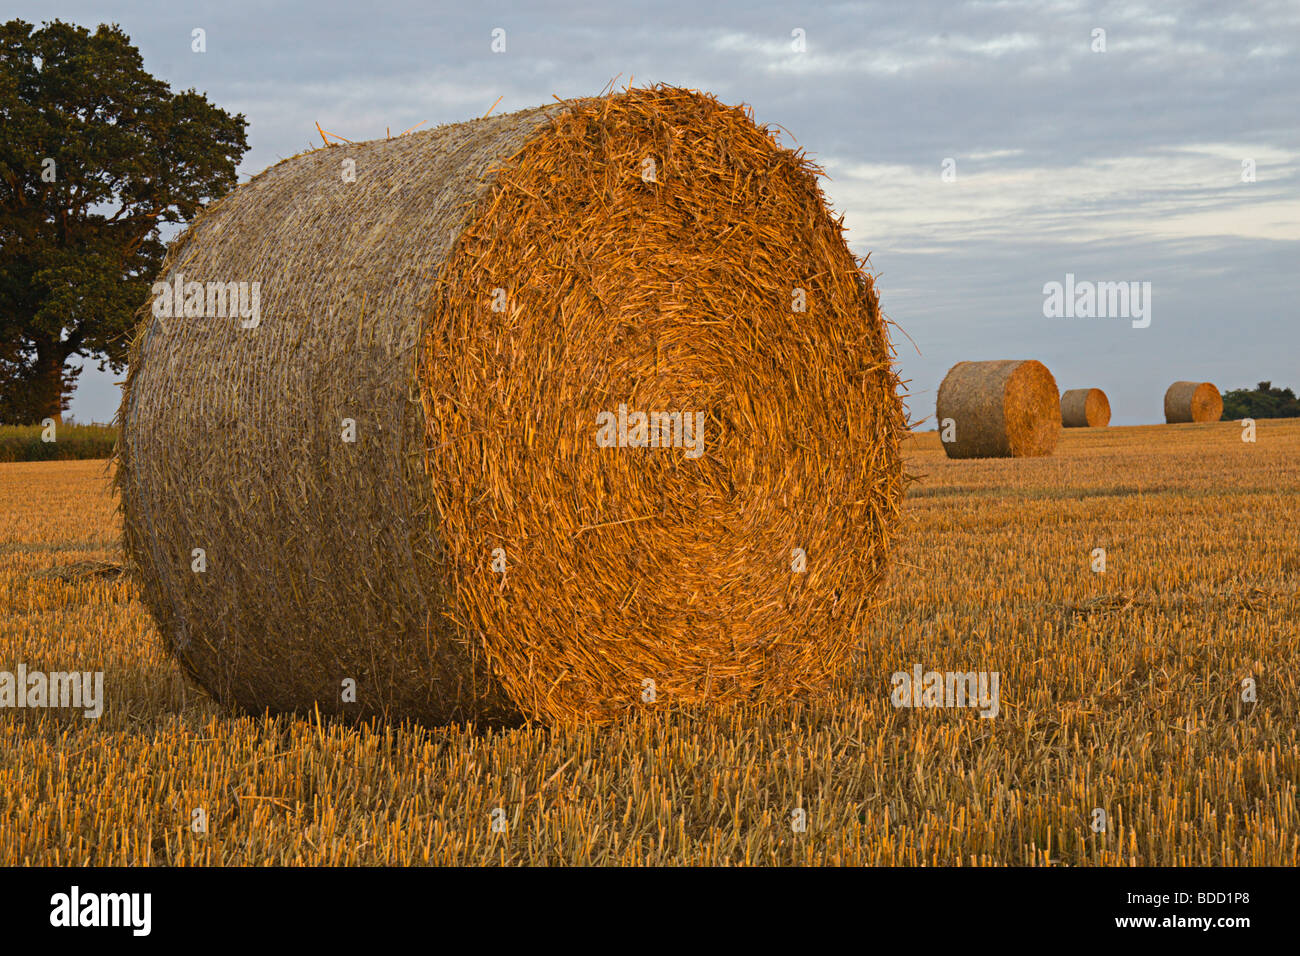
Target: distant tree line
<point x="1264" y="401"/>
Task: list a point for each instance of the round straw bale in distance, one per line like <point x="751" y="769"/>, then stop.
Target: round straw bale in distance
<point x="398" y="476"/>
<point x="1085" y="408"/>
<point x="1002" y="409"/>
<point x="1193" y="402"/>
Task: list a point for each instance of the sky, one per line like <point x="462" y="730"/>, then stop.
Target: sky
<point x="978" y="151"/>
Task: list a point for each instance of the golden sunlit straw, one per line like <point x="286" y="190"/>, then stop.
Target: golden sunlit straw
<point x="1085" y="408"/>
<point x="464" y="520"/>
<point x="1003" y="409"/>
<point x="1193" y="402"/>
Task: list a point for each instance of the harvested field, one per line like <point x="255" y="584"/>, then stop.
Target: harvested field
<point x="1120" y="691"/>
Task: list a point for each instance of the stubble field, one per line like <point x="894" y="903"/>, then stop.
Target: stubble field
<point x="1119" y="691"/>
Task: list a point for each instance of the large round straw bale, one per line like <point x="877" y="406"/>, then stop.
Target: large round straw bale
<point x="1085" y="408"/>
<point x="1003" y="409"/>
<point x="1193" y="402"/>
<point x="481" y="308"/>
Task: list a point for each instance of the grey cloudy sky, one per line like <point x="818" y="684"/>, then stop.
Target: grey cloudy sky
<point x="1122" y="165"/>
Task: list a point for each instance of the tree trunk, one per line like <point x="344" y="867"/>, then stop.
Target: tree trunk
<point x="47" y="382"/>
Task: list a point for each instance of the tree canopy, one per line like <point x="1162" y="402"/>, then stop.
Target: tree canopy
<point x="97" y="156"/>
<point x="1265" y="401"/>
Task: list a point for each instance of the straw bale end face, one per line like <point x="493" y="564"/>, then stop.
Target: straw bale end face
<point x="1000" y="409"/>
<point x="1193" y="402"/>
<point x="1085" y="408"/>
<point x="486" y="303"/>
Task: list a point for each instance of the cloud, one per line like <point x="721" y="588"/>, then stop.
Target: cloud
<point x="1184" y="192"/>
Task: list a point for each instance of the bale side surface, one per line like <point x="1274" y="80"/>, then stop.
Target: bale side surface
<point x="1085" y="408"/>
<point x="999" y="409"/>
<point x="319" y="558"/>
<point x="1193" y="402"/>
